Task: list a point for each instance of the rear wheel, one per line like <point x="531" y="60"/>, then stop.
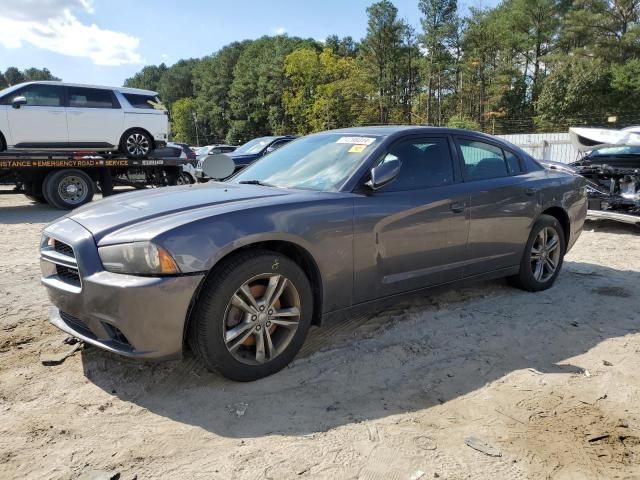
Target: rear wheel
<point x="543" y="256"/>
<point x="252" y="316"/>
<point x="136" y="144"/>
<point x="67" y="189"/>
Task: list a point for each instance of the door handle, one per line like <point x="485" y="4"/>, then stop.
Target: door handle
<point x="457" y="207"/>
<point x="530" y="191"/>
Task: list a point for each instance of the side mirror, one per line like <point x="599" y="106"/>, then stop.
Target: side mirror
<point x="383" y="174"/>
<point x="19" y="101"/>
<point x="218" y="166"/>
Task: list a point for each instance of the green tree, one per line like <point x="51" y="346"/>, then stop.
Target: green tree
<point x="382" y="50"/>
<point x="177" y="81"/>
<point x="148" y="78"/>
<point x="35" y="74"/>
<point x="255" y="95"/>
<point x="439" y="26"/>
<point x="13" y="76"/>
<point x="575" y="88"/>
<point x="183" y="126"/>
<point x="212" y="79"/>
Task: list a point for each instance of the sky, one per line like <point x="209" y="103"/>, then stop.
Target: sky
<point x="106" y="41"/>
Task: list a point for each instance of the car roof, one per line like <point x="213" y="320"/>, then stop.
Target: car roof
<point x="387" y="130"/>
<point x="136" y="91"/>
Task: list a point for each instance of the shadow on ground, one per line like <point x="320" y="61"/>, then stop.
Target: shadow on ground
<point x="424" y="351"/>
<point x="29" y="212"/>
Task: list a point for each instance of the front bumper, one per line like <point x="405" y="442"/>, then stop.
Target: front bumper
<point x="141" y="317"/>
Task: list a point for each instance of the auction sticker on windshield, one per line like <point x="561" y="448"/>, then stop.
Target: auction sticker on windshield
<point x="356" y="140"/>
<point x="357" y="148"/>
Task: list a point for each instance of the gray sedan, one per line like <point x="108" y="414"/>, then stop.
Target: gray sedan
<point x="329" y="224"/>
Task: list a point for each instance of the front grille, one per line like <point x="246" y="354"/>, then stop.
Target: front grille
<point x="77" y="324"/>
<point x="60" y="264"/>
<point x="68" y="275"/>
<point x="63" y="248"/>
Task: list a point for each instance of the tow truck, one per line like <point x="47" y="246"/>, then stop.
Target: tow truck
<point x="66" y="180"/>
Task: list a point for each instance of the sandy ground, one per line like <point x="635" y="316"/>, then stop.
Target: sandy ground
<point x="548" y="381"/>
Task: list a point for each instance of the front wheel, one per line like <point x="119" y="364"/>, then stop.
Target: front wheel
<point x="252" y="316"/>
<point x="543" y="256"/>
<point x="136" y="144"/>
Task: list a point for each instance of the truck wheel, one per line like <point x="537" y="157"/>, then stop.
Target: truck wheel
<point x="67" y="189"/>
<point x="252" y="315"/>
<point x="136" y="144"/>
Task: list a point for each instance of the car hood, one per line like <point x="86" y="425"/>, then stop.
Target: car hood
<point x="125" y="210"/>
<point x="243" y="156"/>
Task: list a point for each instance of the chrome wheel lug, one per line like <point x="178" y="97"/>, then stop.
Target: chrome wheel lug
<point x="261" y="307"/>
<point x="270" y="312"/>
<point x="268" y="324"/>
<point x="254" y="318"/>
<point x="258" y="327"/>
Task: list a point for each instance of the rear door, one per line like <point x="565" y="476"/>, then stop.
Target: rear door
<point x="94" y="116"/>
<point x="503" y="204"/>
<point x="412" y="233"/>
<point x="42" y="122"/>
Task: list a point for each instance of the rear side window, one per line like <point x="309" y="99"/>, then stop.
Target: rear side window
<point x="513" y="162"/>
<point x="147" y="102"/>
<point x="483" y="161"/>
<point x="426" y="162"/>
<point x="90" y="98"/>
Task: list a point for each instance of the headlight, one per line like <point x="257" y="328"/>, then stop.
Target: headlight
<point x="142" y="258"/>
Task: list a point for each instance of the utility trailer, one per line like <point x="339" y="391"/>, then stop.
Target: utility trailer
<point x="66" y="180"/>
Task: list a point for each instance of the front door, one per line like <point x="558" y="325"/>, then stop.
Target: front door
<point x="94" y="116"/>
<point x="412" y="233"/>
<point x="42" y="122"/>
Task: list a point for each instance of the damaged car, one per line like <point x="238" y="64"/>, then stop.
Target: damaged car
<point x="610" y="163"/>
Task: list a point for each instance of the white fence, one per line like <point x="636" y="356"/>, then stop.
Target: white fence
<point x="545" y="146"/>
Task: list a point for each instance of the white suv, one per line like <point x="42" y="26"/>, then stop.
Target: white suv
<point x="64" y="116"/>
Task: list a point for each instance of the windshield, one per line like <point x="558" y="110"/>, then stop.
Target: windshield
<point x="623" y="150"/>
<point x="254" y="146"/>
<point x="7" y="90"/>
<point x="318" y="162"/>
<point x="203" y="150"/>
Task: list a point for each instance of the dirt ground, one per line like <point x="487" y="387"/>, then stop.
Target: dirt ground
<point x="550" y="382"/>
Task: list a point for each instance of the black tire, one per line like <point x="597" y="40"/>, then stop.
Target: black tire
<point x="526" y="278"/>
<point x="209" y="318"/>
<point x="53" y="189"/>
<point x="136" y="144"/>
<point x="3" y="143"/>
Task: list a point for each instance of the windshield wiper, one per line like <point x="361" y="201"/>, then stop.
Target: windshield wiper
<point x="255" y="182"/>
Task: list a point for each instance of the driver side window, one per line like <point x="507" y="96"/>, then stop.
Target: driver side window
<point x="426" y="162"/>
<point x="42" y="95"/>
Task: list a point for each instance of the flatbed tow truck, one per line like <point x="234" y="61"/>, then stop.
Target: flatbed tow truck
<point x="66" y="180"/>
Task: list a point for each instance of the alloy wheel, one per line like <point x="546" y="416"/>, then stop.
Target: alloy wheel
<point x="261" y="318"/>
<point x="545" y="254"/>
<point x="137" y="144"/>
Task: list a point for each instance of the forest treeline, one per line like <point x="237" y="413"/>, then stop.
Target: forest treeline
<point x="522" y="66"/>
